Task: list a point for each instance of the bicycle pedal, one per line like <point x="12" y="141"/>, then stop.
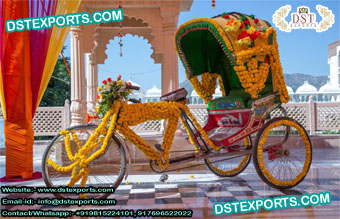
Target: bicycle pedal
<point x="164" y="177"/>
<point x="159" y="147"/>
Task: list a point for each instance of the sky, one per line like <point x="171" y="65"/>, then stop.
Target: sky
<point x="301" y="51"/>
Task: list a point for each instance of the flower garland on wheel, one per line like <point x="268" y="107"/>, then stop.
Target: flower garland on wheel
<point x="308" y="152"/>
<point x="110" y="98"/>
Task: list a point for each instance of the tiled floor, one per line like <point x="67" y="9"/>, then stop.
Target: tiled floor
<point x="144" y="191"/>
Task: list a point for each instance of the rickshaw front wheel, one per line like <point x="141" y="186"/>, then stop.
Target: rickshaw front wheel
<point x="105" y="172"/>
<point x="230" y="166"/>
<point x="282" y="153"/>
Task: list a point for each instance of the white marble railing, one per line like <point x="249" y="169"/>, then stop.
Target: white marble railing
<point x="48" y="121"/>
<point x="314" y="116"/>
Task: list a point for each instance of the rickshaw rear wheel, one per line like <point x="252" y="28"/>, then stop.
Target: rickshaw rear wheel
<point x="230" y="166"/>
<point x="283" y="161"/>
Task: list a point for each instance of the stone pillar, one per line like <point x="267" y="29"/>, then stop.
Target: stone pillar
<point x="92" y="84"/>
<point x="312" y="115"/>
<point x="170" y="60"/>
<point x="78" y="91"/>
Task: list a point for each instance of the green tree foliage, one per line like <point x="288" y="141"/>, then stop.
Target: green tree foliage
<point x="59" y="86"/>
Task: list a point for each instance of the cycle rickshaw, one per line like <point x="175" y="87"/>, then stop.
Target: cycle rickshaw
<point x="238" y="51"/>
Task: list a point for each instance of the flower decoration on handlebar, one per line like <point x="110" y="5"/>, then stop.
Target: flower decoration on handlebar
<point x="109" y="92"/>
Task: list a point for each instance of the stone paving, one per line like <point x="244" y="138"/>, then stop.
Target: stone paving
<point x="144" y="191"/>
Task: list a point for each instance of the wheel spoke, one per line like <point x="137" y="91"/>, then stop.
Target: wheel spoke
<point x="289" y="165"/>
<point x="103" y="171"/>
<point x="226" y="166"/>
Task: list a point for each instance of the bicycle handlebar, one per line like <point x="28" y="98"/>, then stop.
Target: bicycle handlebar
<point x="134" y="100"/>
<point x="132" y="87"/>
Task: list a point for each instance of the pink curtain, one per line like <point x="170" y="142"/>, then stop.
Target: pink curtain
<point x="39" y="44"/>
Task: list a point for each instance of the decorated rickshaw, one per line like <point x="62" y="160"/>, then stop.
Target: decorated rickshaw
<point x="240" y="53"/>
<point x="237" y="51"/>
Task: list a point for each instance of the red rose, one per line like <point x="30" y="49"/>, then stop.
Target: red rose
<point x="109" y="79"/>
<point x="246" y="22"/>
<point x="129" y="83"/>
<point x="104" y="82"/>
<point x="119" y="77"/>
<point x="226" y="16"/>
<point x="242" y="35"/>
<point x="242" y="25"/>
<point x="256" y="20"/>
<point x="98" y="97"/>
<point x="254" y="35"/>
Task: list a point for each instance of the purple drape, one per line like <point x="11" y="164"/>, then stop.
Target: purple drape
<point x="1" y="41"/>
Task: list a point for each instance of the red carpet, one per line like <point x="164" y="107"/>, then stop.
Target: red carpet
<point x="36" y="175"/>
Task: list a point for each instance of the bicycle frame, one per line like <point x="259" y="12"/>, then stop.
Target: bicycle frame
<point x="204" y="150"/>
<point x="258" y="113"/>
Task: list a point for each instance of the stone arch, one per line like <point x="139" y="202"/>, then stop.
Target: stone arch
<point x="132" y="25"/>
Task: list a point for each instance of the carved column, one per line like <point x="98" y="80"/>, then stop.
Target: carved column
<point x="78" y="91"/>
<point x="92" y="84"/>
<point x="170" y="63"/>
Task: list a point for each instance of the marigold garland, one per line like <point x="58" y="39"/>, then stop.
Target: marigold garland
<point x="191" y="138"/>
<point x="80" y="158"/>
<point x="68" y="146"/>
<point x="76" y="140"/>
<point x="206" y="88"/>
<point x="253" y="78"/>
<point x="220" y="82"/>
<point x="238" y="168"/>
<point x="200" y="129"/>
<point x="130" y="115"/>
<point x="250" y="39"/>
<point x="260" y="153"/>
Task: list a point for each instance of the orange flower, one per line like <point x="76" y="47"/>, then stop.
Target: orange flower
<point x="231" y="21"/>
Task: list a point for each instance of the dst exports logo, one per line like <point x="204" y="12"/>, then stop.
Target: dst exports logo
<point x="303" y="18"/>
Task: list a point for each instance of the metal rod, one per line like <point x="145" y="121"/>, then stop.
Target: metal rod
<point x="185" y="121"/>
<point x="194" y="156"/>
<point x="200" y="164"/>
<point x="199" y="134"/>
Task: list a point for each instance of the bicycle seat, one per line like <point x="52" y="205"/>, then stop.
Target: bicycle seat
<point x="176" y="95"/>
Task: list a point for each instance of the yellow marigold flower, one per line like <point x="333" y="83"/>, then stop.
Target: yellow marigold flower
<point x="244" y="41"/>
<point x="251" y="30"/>
<point x="99" y="89"/>
<point x="101" y="140"/>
